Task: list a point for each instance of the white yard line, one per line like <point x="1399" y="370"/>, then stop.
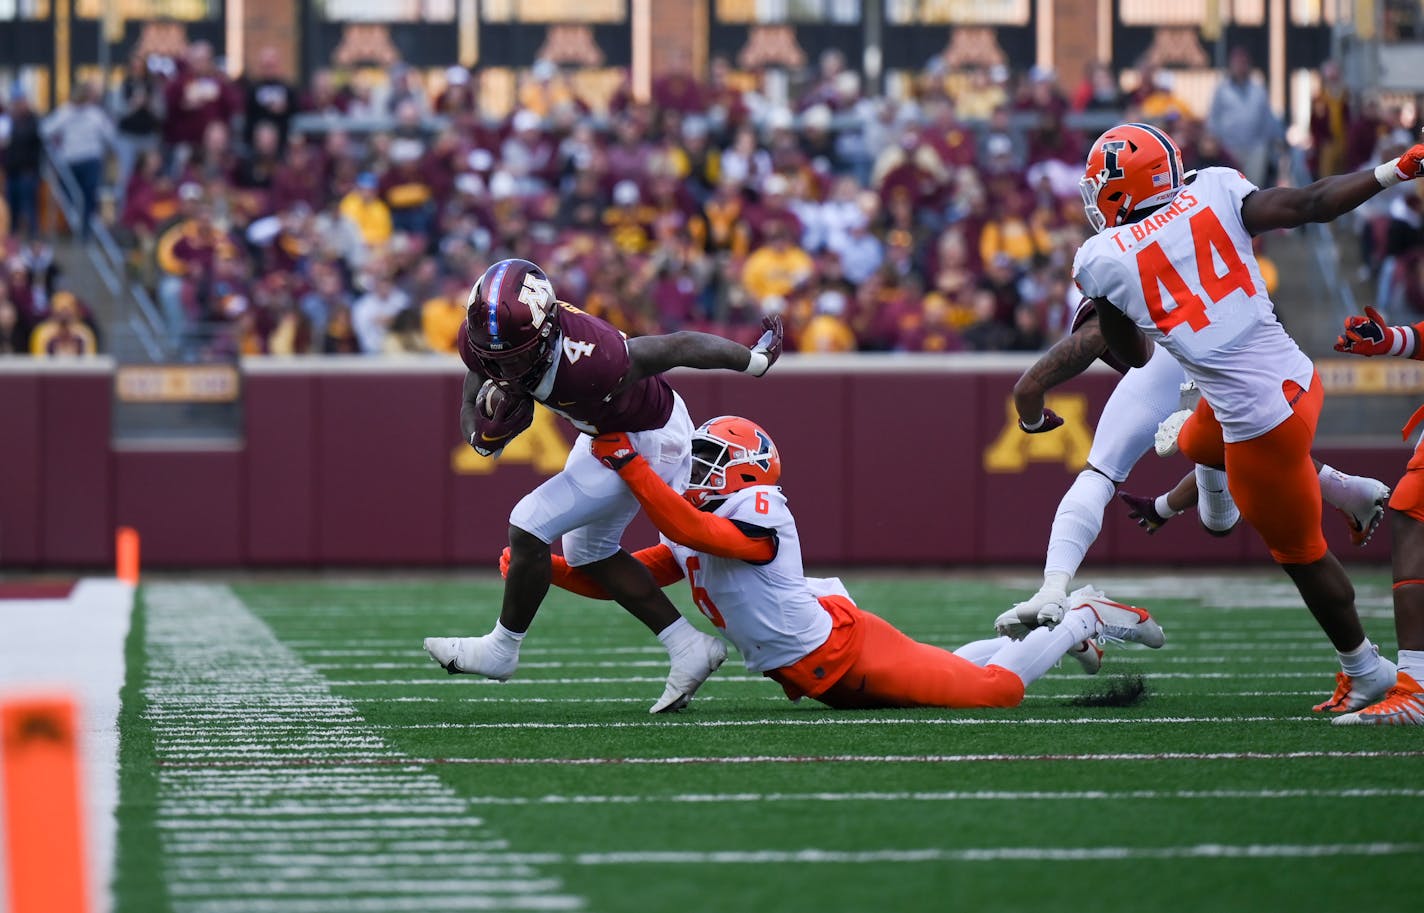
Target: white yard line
<point x="212" y="762"/>
<point x="984" y="854"/>
<point x="955" y="796"/>
<point x="75" y="647"/>
<point x="211" y="660"/>
<point x="183" y="734"/>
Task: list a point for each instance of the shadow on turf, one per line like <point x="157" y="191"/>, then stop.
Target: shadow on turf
<point x="1118" y="691"/>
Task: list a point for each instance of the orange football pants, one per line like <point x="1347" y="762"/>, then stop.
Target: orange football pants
<point x="1272" y="477"/>
<point x="868" y="662"/>
<point x="1408" y="497"/>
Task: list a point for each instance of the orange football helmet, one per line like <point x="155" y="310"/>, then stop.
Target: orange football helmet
<point x="730" y="453"/>
<point x="1130" y="168"/>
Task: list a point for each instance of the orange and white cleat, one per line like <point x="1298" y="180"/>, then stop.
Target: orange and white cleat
<point x="1363" y="516"/>
<point x="1118" y="622"/>
<point x="1403" y="705"/>
<point x="1358" y="692"/>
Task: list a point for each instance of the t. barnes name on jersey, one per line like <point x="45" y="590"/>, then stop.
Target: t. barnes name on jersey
<point x="1184" y="202"/>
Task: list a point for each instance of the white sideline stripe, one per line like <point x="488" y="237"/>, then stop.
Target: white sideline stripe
<point x="955" y="796"/>
<point x="983" y="854"/>
<point x="90" y="669"/>
<point x="211" y="659"/>
<point x="210" y="763"/>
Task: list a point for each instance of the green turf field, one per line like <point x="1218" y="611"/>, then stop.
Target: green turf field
<point x="289" y="747"/>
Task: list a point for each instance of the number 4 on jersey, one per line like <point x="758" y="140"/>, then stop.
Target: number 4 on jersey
<point x="574" y="349"/>
<point x="1157" y="273"/>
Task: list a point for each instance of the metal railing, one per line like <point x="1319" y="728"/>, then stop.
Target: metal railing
<point x="136" y="311"/>
<point x="1321" y="239"/>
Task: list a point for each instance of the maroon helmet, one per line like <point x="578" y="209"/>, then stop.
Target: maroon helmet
<point x="513" y="322"/>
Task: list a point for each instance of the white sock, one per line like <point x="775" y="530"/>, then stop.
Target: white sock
<point x="979" y="652"/>
<point x="504" y="643"/>
<point x="1215" y="506"/>
<point x="1077" y="523"/>
<point x="1164" y="510"/>
<point x="1334" y="486"/>
<point x="1360" y="661"/>
<point x="1031" y="657"/>
<point x="1412" y="662"/>
<point x="678" y="636"/>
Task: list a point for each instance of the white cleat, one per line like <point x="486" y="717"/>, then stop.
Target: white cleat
<point x="1366" y="508"/>
<point x="1165" y="441"/>
<point x="470" y="656"/>
<point x="1045" y="607"/>
<point x="1117" y="622"/>
<point x="1088" y="655"/>
<point x="690" y="669"/>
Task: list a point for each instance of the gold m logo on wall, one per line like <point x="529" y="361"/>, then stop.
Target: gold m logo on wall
<point x="1013" y="450"/>
<point x="541" y="446"/>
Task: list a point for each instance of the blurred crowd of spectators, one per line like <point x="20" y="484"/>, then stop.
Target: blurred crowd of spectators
<point x="944" y="222"/>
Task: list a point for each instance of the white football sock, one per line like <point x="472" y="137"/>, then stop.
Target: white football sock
<point x="678" y="636"/>
<point x="1077" y="523"/>
<point x="503" y="643"/>
<point x="1215" y="506"/>
<point x="1164" y="510"/>
<point x="1360" y="661"/>
<point x="1340" y="489"/>
<point x="1412" y="662"/>
<point x="979" y="652"/>
<point x="1033" y="656"/>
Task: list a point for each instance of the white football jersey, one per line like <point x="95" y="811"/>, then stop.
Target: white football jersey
<point x="770" y="611"/>
<point x="1187" y="276"/>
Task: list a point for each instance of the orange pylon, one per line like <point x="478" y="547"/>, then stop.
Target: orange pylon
<point x="44" y="819"/>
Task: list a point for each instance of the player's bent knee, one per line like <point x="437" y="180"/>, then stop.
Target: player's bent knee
<point x="526" y="544"/>
<point x="1000" y="688"/>
<point x="1221" y="533"/>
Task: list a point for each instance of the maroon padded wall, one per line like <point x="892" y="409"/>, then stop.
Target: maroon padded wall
<point x="362" y="465"/>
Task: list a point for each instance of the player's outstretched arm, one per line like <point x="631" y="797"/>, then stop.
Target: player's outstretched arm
<point x="1328" y="198"/>
<point x="1122" y="336"/>
<point x="1370" y="335"/>
<point x="655" y="354"/>
<point x="658" y="559"/>
<point x="1068" y="358"/>
<point x="675" y="517"/>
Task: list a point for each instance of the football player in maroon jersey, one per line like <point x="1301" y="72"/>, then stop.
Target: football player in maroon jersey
<point x="522" y="345"/>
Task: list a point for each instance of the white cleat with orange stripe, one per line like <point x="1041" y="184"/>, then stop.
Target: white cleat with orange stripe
<point x="1402" y="705"/>
<point x="1118" y="622"/>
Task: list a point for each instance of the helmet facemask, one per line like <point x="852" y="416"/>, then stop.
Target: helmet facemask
<point x="714" y="475"/>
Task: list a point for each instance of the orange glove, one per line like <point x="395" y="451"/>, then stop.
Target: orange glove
<point x="1370" y="335"/>
<point x="1405" y="168"/>
<point x="614" y="450"/>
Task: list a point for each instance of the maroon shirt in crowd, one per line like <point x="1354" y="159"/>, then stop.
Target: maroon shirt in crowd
<point x="194" y="101"/>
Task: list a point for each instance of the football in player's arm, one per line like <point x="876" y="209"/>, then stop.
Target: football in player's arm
<point x="733" y="536"/>
<point x="521" y="345"/>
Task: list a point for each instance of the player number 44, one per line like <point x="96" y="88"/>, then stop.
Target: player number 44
<point x="1158" y="273"/>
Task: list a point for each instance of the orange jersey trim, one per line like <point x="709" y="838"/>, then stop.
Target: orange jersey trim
<point x="685" y="524"/>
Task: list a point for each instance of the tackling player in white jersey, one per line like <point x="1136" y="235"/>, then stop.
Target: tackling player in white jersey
<point x="734" y="538"/>
<point x="1172" y="263"/>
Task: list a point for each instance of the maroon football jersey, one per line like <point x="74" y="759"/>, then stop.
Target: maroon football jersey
<point x="590" y="365"/>
<point x="1087" y="309"/>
